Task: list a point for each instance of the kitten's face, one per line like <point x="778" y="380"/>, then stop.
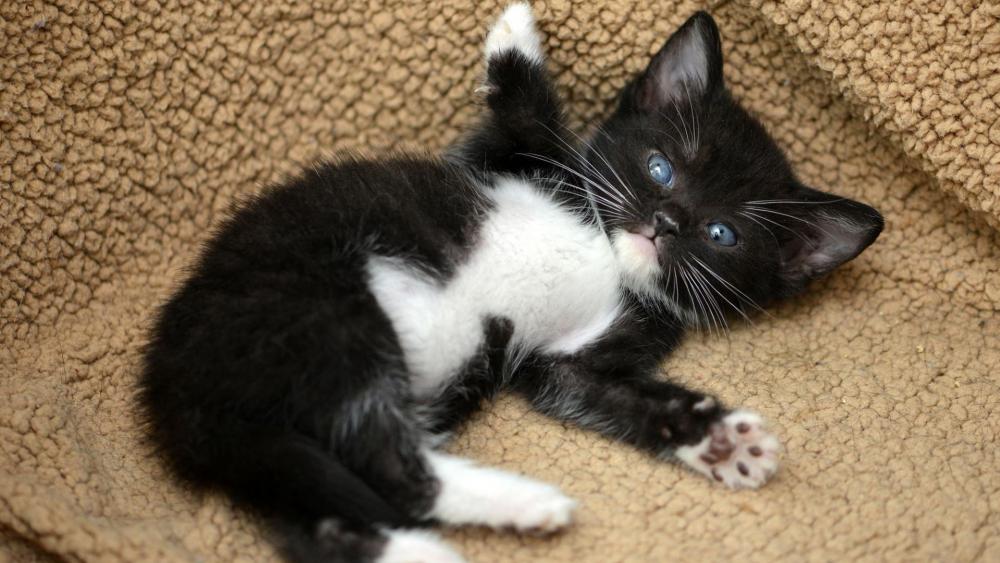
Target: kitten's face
<point x="702" y="209"/>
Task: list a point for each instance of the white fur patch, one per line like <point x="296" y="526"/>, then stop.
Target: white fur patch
<point x="490" y="497"/>
<point x="535" y="263"/>
<point x="417" y="546"/>
<point x="639" y="270"/>
<point x="738" y="452"/>
<point x="437" y="330"/>
<point x="515" y="30"/>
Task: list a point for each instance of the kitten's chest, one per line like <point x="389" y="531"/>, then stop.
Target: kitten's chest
<point x="534" y="263"/>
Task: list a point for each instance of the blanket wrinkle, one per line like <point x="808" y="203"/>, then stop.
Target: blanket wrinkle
<point x="128" y="129"/>
<point x="928" y="75"/>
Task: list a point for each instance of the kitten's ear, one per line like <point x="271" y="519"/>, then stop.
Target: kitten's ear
<point x="688" y="66"/>
<point x="825" y="232"/>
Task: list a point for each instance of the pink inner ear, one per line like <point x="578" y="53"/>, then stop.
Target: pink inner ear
<point x="684" y="68"/>
<point x="835" y="235"/>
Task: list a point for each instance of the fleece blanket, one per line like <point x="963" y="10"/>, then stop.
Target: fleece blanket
<point x="128" y="128"/>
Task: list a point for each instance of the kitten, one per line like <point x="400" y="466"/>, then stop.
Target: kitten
<point x="338" y="325"/>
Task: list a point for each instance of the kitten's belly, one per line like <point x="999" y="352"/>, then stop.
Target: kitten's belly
<point x="535" y="263"/>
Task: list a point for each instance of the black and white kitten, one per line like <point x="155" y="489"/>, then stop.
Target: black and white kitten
<point x="337" y="325"/>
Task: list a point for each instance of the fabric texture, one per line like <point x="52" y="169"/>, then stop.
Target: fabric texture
<point x="127" y="130"/>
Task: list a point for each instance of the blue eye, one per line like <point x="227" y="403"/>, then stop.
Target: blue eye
<point x="721" y="234"/>
<point x="660" y="169"/>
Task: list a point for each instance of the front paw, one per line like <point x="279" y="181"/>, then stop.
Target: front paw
<point x="736" y="451"/>
<point x="515" y="30"/>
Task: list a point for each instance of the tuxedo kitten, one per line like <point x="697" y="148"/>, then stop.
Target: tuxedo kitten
<point x="337" y="326"/>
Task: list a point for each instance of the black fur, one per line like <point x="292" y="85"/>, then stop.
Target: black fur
<point x="274" y="376"/>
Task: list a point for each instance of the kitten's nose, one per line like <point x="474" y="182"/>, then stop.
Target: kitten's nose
<point x="665" y="224"/>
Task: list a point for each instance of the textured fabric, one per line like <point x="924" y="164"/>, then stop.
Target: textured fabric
<point x="126" y="130"/>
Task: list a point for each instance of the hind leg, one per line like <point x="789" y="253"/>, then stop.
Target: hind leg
<point x="471" y="494"/>
<point x="430" y="485"/>
<point x="338" y="542"/>
<point x="416" y="546"/>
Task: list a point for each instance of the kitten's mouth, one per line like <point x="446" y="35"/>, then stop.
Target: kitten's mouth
<point x="643" y="239"/>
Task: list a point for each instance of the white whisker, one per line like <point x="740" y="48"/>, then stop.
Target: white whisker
<point x="582" y="160"/>
<point x="792" y="202"/>
<point x="773" y="212"/>
<point x="762" y="225"/>
<point x="717" y="317"/>
<point x="732" y="288"/>
<point x="578" y="174"/>
<point x="729" y="286"/>
<point x="773" y="222"/>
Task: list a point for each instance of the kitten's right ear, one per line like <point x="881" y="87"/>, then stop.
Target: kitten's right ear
<point x="686" y="69"/>
<point x="824" y="232"/>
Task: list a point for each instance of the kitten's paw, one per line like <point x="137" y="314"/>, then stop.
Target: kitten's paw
<point x="515" y="30"/>
<point x="737" y="451"/>
<point x="541" y="509"/>
<point x="417" y="546"/>
<point x="492" y="497"/>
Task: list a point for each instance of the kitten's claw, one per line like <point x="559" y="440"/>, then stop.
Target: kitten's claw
<point x="515" y="30"/>
<point x="737" y="451"/>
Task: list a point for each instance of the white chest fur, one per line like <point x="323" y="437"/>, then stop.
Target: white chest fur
<point x="534" y="263"/>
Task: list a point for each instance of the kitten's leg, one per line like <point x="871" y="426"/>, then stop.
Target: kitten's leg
<point x="466" y="494"/>
<point x="336" y="541"/>
<point x="515" y="30"/>
<point x="667" y="420"/>
<point x="525" y="114"/>
<point x="471" y="494"/>
<point x="416" y="546"/>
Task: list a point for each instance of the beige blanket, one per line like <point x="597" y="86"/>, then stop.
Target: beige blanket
<point x="126" y="129"/>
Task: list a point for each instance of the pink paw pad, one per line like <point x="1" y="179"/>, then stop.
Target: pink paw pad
<point x="737" y="451"/>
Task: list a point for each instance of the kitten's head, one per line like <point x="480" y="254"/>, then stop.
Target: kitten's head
<point x="701" y="206"/>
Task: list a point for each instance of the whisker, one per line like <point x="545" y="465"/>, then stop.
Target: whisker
<point x="699" y="302"/>
<point x="762" y="225"/>
<point x="687" y="288"/>
<point x="598" y="153"/>
<point x="687" y="138"/>
<point x="793" y="202"/>
<point x="718" y="318"/>
<point x="582" y="160"/>
<point x="607" y="185"/>
<point x="695" y="122"/>
<point x="676" y="128"/>
<point x="732" y="288"/>
<point x="773" y="212"/>
<point x="570" y="170"/>
<point x="565" y="186"/>
<point x="735" y="307"/>
<point x="689" y="133"/>
<point x="676" y="288"/>
<point x="577" y="173"/>
<point x="773" y="222"/>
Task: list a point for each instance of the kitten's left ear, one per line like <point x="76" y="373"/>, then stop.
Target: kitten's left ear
<point x="687" y="68"/>
<point x="825" y="232"/>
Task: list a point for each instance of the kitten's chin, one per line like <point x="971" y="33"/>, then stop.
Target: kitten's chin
<point x="642" y="247"/>
<point x="638" y="259"/>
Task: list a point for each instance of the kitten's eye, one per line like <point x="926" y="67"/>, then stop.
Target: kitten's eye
<point x="660" y="170"/>
<point x="721" y="234"/>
